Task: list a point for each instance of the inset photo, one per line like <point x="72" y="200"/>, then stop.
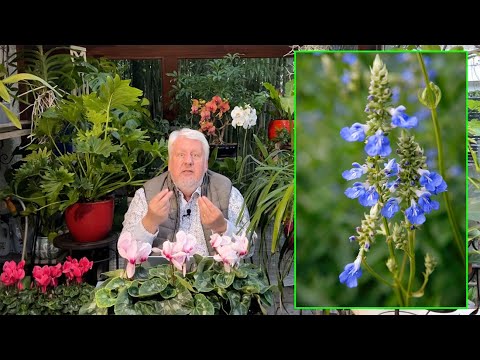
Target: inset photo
<point x="381" y="180"/>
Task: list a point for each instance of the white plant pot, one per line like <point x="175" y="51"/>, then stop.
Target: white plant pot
<point x="44" y="249"/>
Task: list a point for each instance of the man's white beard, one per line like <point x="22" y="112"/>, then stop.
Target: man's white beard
<point x="189" y="185"/>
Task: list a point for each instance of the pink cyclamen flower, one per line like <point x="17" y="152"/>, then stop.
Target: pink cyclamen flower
<point x="13" y="273"/>
<point x="131" y="250"/>
<point x="227" y="255"/>
<point x="55" y="273"/>
<point x="240" y="245"/>
<point x="42" y="276"/>
<point x="216" y="240"/>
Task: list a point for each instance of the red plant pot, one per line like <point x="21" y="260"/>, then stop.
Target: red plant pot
<point x="277" y="125"/>
<point x="288" y="232"/>
<point x="89" y="222"/>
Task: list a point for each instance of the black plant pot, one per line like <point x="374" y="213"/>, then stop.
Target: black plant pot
<point x="225" y="150"/>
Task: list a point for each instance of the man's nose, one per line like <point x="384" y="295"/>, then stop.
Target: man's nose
<point x="188" y="159"/>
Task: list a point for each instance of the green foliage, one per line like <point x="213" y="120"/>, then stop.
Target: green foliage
<point x="207" y="290"/>
<point x="326" y="218"/>
<point x="61" y="300"/>
<point x="105" y="148"/>
<point x="283" y="105"/>
<point x="229" y="77"/>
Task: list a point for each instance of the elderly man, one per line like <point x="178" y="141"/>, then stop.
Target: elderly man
<point x="187" y="197"/>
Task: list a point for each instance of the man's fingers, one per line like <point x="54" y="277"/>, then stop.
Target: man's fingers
<point x="165" y="194"/>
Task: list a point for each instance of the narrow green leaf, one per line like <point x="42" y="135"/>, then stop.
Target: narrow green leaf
<point x="4" y="92"/>
<point x="11" y="116"/>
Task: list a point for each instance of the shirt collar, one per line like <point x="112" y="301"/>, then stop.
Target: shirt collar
<point x="198" y="191"/>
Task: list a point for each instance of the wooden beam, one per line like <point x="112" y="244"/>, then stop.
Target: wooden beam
<point x="134" y="52"/>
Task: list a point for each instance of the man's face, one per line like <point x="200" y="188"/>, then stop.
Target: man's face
<point x="187" y="164"/>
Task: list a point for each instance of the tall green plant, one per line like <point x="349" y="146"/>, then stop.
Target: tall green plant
<point x="106" y="141"/>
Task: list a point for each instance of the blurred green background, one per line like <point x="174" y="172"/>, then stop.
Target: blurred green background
<point x="332" y="90"/>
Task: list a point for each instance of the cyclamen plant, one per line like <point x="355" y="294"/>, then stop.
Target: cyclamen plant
<point x="390" y="185"/>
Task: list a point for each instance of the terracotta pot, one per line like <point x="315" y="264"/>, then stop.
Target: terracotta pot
<point x="89" y="222"/>
<point x="276" y="125"/>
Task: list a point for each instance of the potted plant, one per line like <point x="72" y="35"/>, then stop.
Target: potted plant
<point x="214" y="285"/>
<point x="283" y="114"/>
<point x="52" y="290"/>
<point x="107" y="142"/>
<point x="269" y="198"/>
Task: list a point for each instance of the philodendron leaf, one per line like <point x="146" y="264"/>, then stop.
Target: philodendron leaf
<point x="152" y="287"/>
<point x="224" y="280"/>
<point x="202" y="306"/>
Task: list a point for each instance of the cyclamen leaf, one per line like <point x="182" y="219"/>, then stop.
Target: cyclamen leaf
<point x="202" y="306"/>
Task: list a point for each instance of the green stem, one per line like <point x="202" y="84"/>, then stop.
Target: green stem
<point x="374" y="274"/>
<point x="244" y="151"/>
<point x="441" y="167"/>
<point x="411" y="250"/>
<point x="402" y="269"/>
<point x="392" y="256"/>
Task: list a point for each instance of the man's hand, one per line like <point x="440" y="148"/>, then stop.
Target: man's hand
<point x="158" y="210"/>
<point x="211" y="216"/>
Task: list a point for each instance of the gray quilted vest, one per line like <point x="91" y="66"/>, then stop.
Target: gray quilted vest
<point x="215" y="187"/>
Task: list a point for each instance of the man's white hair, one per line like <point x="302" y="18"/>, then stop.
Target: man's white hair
<point x="189" y="134"/>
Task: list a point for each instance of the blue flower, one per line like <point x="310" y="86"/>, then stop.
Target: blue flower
<point x="355" y="191"/>
<point x="378" y="144"/>
<point x="427" y="204"/>
<point x="355" y="173"/>
<point x="391" y="168"/>
<point x="354" y="133"/>
<point x="351" y="273"/>
<point x="390" y="208"/>
<point x="369" y="197"/>
<point x="399" y="118"/>
<point x="349" y="59"/>
<point x="393" y="185"/>
<point x="408" y="75"/>
<point x="346" y="77"/>
<point x="432" y="181"/>
<point x="395" y="94"/>
<point x="415" y="214"/>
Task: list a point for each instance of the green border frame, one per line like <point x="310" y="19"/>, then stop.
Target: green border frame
<point x="465" y="52"/>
